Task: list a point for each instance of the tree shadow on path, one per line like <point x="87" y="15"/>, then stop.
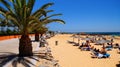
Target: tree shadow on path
<point x="6" y="57"/>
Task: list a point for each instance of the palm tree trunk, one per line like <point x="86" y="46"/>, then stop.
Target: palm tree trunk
<point x="25" y="46"/>
<point x="36" y="36"/>
<point x="41" y="35"/>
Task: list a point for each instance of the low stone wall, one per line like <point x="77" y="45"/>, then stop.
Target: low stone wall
<point x="11" y="37"/>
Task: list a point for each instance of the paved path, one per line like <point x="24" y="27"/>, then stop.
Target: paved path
<point x="11" y="46"/>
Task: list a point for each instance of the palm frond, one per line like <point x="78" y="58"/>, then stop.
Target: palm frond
<point x="23" y="2"/>
<point x="15" y="22"/>
<point x="47" y="11"/>
<point x="51" y="16"/>
<point x="18" y="2"/>
<point x="2" y="10"/>
<point x="20" y="14"/>
<point x="18" y="11"/>
<point x="54" y="20"/>
<point x="42" y="10"/>
<point x="5" y="3"/>
<point x="0" y="19"/>
<point x="34" y="26"/>
<point x="39" y="12"/>
<point x="47" y="5"/>
<point x="12" y="1"/>
<point x="45" y="22"/>
<point x="30" y="19"/>
<point x="30" y="7"/>
<point x="42" y="30"/>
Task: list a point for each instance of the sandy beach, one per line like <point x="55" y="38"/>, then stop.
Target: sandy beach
<point x="66" y="54"/>
<point x="70" y="56"/>
<point x="57" y="33"/>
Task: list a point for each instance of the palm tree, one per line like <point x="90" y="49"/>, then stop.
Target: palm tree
<point x="45" y="6"/>
<point x="41" y="30"/>
<point x="44" y="21"/>
<point x="3" y="25"/>
<point x="19" y="12"/>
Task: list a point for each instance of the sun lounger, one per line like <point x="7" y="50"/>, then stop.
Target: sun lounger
<point x="99" y="55"/>
<point x="43" y="66"/>
<point x="116" y="45"/>
<point x="108" y="48"/>
<point x="85" y="48"/>
<point x="118" y="50"/>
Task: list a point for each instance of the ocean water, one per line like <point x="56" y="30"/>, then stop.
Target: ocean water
<point x="100" y="33"/>
<point x="105" y="33"/>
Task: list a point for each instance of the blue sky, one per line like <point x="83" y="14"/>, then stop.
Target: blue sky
<point x="85" y="15"/>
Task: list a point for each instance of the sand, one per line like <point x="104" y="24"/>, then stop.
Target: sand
<point x="70" y="56"/>
<point x="67" y="54"/>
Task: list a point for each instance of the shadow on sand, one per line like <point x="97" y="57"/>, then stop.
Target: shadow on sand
<point x="74" y="43"/>
<point x="118" y="65"/>
<point x="6" y="57"/>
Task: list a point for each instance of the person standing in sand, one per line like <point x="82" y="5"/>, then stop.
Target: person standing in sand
<point x="56" y="43"/>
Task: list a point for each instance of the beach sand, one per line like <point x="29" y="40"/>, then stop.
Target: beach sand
<point x="70" y="56"/>
<point x="67" y="54"/>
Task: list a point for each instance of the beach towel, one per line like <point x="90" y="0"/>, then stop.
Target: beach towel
<point x="100" y="55"/>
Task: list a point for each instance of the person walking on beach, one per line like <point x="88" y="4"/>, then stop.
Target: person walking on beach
<point x="56" y="43"/>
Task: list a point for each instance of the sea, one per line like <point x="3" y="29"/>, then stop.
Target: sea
<point x="99" y="33"/>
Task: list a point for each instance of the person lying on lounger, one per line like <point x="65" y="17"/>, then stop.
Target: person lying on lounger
<point x="85" y="46"/>
<point x="100" y="54"/>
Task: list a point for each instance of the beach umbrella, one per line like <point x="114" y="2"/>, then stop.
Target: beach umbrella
<point x="74" y="36"/>
<point x="87" y="39"/>
<point x="112" y="37"/>
<point x="100" y="37"/>
<point x="79" y="38"/>
<point x="103" y="42"/>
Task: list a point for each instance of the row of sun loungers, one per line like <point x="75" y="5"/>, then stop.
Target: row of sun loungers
<point x="95" y="54"/>
<point x="45" y="51"/>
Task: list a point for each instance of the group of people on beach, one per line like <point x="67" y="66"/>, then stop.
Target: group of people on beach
<point x="99" y="53"/>
<point x="85" y="46"/>
<point x="95" y="52"/>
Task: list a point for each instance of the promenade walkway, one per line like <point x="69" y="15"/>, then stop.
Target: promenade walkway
<point x="10" y="47"/>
